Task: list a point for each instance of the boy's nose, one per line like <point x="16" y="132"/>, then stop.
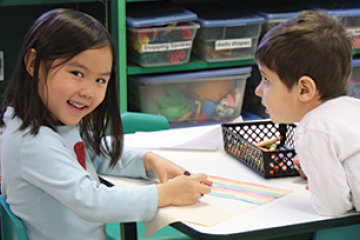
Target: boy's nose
<point x="258" y="90"/>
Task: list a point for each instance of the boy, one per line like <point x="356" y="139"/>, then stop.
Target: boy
<point x="306" y="64"/>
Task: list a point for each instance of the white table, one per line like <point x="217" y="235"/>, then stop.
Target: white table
<point x="289" y="215"/>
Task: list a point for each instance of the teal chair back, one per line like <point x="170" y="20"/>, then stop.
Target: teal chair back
<point x="144" y="122"/>
<point x="347" y="233"/>
<point x="12" y="227"/>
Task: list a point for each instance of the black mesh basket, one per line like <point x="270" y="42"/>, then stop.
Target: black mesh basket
<point x="239" y="140"/>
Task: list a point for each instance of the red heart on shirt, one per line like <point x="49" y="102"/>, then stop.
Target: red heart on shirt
<point x="79" y="149"/>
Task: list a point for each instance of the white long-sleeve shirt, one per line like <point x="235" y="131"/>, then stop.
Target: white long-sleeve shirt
<point x="55" y="197"/>
<point x="327" y="141"/>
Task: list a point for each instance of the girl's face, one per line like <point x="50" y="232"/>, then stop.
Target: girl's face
<point x="281" y="103"/>
<point x="75" y="88"/>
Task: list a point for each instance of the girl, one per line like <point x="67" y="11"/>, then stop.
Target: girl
<point x="59" y="105"/>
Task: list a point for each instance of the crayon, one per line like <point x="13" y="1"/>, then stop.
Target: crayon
<point x="207" y="183"/>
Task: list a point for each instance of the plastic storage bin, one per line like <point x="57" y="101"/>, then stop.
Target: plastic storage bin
<point x="225" y="34"/>
<point x="190" y="98"/>
<point x="276" y="14"/>
<point x="354" y="84"/>
<point x="350" y="13"/>
<point x="239" y="140"/>
<point x="159" y="33"/>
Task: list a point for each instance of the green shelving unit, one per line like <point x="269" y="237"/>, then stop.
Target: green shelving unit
<point x="133" y="69"/>
<point x="193" y="64"/>
<point x="116" y="19"/>
<point x="118" y="31"/>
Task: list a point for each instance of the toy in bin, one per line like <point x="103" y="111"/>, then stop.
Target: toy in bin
<point x="159" y="33"/>
<point x="243" y="142"/>
<point x="191" y="97"/>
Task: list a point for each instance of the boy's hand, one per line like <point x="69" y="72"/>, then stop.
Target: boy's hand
<point x="183" y="190"/>
<point x="296" y="162"/>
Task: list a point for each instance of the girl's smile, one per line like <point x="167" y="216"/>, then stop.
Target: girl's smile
<point x="77" y="106"/>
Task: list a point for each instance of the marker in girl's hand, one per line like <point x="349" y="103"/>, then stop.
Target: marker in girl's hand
<point x="206" y="182"/>
<point x="186" y="173"/>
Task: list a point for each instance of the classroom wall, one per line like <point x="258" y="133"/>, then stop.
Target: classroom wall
<point x="15" y="21"/>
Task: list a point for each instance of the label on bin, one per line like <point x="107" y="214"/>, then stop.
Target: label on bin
<point x="162" y="47"/>
<point x="233" y="43"/>
<point x="354" y="31"/>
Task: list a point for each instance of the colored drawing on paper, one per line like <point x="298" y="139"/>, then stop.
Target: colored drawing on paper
<point x="245" y="191"/>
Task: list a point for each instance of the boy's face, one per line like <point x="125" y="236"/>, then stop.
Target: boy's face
<point x="75" y="88"/>
<point x="281" y="103"/>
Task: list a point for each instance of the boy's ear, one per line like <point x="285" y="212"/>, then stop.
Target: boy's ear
<point x="307" y="89"/>
<point x="29" y="61"/>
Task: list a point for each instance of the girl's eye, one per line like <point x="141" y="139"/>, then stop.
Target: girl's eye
<point x="76" y="73"/>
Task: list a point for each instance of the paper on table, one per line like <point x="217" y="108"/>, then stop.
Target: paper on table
<point x="208" y="140"/>
<point x="228" y="199"/>
<point x="208" y="211"/>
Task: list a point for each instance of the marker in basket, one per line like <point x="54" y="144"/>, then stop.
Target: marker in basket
<point x="268" y="141"/>
<point x="273" y="147"/>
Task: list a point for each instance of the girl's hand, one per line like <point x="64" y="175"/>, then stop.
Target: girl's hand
<point x="182" y="190"/>
<point x="162" y="168"/>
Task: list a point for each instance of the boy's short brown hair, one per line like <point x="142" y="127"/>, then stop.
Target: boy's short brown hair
<point x="312" y="44"/>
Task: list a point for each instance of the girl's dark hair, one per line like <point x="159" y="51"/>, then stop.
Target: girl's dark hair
<point x="62" y="34"/>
